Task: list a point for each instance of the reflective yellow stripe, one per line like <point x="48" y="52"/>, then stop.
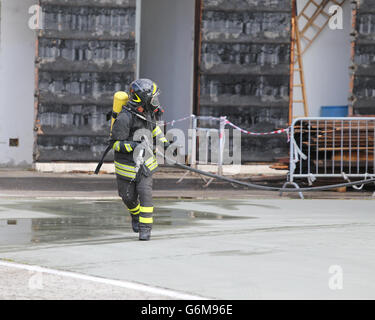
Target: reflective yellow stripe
<point x="156" y="131"/>
<point x="155" y="88"/>
<point x="164" y="139"/>
<point x="136" y="208"/>
<point x="135" y="212"/>
<point x="116" y="146"/>
<point x="150" y="161"/>
<point x="124" y="167"/>
<point x="128" y="147"/>
<point x="125" y="173"/>
<point x="153" y="167"/>
<point x="147" y="209"/>
<point x="146" y="220"/>
<point x="152" y="164"/>
<point x="124" y="170"/>
<point x="138" y="98"/>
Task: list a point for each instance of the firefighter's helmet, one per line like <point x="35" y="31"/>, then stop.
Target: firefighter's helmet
<point x="144" y="93"/>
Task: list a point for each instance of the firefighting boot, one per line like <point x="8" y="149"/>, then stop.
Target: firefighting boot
<point x="134" y="213"/>
<point x="145" y="231"/>
<point x="135" y="223"/>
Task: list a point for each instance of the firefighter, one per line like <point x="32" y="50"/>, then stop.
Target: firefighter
<point x="135" y="161"/>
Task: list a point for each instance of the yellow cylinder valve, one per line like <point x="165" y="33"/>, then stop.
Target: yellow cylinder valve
<point x="120" y="99"/>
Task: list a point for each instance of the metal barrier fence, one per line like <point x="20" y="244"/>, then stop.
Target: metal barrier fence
<point x="332" y="147"/>
<point x="192" y="152"/>
<point x="214" y="132"/>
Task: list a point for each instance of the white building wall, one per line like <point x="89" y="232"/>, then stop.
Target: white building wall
<point x="167" y="53"/>
<point x="326" y="66"/>
<point x="17" y="55"/>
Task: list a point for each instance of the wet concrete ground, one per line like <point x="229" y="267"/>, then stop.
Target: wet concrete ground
<point x="224" y="249"/>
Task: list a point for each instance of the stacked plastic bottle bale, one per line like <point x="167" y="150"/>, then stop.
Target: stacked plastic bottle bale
<point x="244" y="68"/>
<point x="86" y="53"/>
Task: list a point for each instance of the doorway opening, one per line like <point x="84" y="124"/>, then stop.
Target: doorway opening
<point x="165" y="53"/>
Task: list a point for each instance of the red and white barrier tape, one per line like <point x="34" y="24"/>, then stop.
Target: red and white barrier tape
<point x="286" y="130"/>
<point x="227" y="122"/>
<point x="178" y="120"/>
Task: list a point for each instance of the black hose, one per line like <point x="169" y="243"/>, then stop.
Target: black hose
<point x="253" y="185"/>
<point x="260" y="187"/>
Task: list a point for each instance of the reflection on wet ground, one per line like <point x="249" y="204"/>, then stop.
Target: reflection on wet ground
<point x="86" y="220"/>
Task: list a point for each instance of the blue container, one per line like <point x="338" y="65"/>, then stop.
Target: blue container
<point x="334" y="111"/>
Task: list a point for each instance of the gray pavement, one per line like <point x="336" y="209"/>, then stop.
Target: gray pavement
<point x="19" y="284"/>
<point x="31" y="184"/>
<point x="275" y="248"/>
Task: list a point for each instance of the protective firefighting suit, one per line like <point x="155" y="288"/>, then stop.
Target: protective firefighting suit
<point x="133" y="136"/>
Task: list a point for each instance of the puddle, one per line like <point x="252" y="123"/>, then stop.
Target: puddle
<point x="88" y="220"/>
<point x="235" y="204"/>
<point x="237" y="253"/>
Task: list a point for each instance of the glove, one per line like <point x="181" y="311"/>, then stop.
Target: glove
<point x="166" y="145"/>
<point x="125" y="146"/>
<point x="134" y="144"/>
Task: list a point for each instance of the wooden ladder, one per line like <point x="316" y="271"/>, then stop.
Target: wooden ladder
<point x="311" y="12"/>
<point x="297" y="69"/>
<point x="311" y="20"/>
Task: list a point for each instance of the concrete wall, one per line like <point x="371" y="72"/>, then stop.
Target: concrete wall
<point x="326" y="66"/>
<point x="17" y="55"/>
<point x="364" y="60"/>
<point x="166" y="53"/>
